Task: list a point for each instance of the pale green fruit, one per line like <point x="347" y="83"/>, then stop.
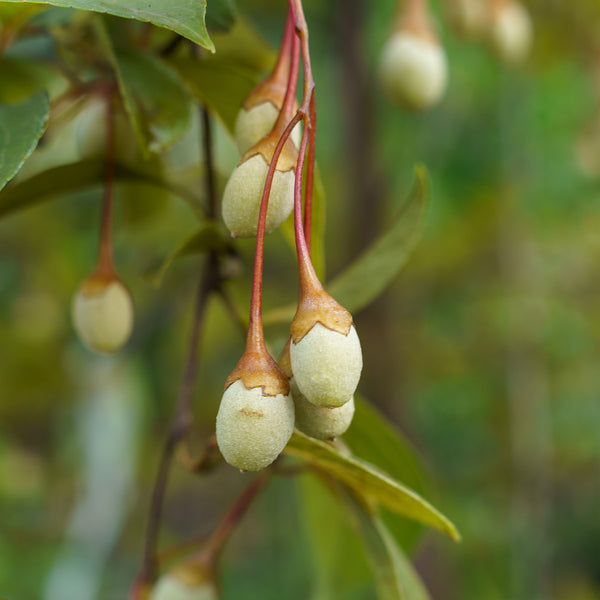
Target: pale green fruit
<point x="326" y="365"/>
<point x="170" y="587"/>
<point x="511" y="32"/>
<point x="318" y="421"/>
<point x="103" y="315"/>
<point x="243" y="194"/>
<point x="254" y="124"/>
<point x="253" y="429"/>
<point x="413" y="71"/>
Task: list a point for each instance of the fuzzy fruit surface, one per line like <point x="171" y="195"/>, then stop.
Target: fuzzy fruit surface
<point x="243" y="194"/>
<point x="326" y="365"/>
<point x="318" y="421"/>
<point x="254" y="124"/>
<point x="413" y="71"/>
<point x="103" y="319"/>
<point x="253" y="429"/>
<point x="511" y="32"/>
<point x="169" y="587"/>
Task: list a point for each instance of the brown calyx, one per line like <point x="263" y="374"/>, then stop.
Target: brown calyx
<point x="285" y="362"/>
<point x="266" y="148"/>
<point x="257" y="368"/>
<point x="414" y="18"/>
<point x="317" y="306"/>
<point x="195" y="572"/>
<point x="98" y="281"/>
<point x="269" y="90"/>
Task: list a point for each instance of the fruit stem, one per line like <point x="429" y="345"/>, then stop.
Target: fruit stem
<point x="308" y="277"/>
<point x="287" y="108"/>
<point x="105" y="260"/>
<point x="182" y="417"/>
<point x="282" y="66"/>
<point x="255" y="340"/>
<point x="216" y="542"/>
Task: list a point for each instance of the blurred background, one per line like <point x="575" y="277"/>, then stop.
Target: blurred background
<point x="484" y="352"/>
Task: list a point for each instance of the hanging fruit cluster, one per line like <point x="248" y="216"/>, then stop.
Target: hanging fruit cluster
<point x="314" y="383"/>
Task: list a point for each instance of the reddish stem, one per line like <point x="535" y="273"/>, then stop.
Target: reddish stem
<point x="308" y="276"/>
<point x="215" y="544"/>
<point x="282" y="66"/>
<point x="105" y="261"/>
<point x="308" y="192"/>
<point x="255" y="338"/>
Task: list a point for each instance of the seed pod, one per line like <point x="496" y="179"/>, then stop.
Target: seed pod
<point x="325" y="354"/>
<point x="252" y="427"/>
<point x="186" y="582"/>
<point x="511" y="31"/>
<point x="256" y="122"/>
<point x="243" y="192"/>
<point x="319" y="422"/>
<point x="413" y="70"/>
<point x="256" y="415"/>
<point x="102" y="313"/>
<point x="327" y="365"/>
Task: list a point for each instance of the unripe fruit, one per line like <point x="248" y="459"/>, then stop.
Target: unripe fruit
<point x="320" y="422"/>
<point x="102" y="313"/>
<point x="413" y="70"/>
<point x="326" y="365"/>
<point x="253" y="428"/>
<point x="171" y="587"/>
<point x="255" y="122"/>
<point x="243" y="193"/>
<point x="511" y="31"/>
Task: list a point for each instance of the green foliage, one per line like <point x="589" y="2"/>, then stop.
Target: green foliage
<point x="185" y="17"/>
<point x="21" y="126"/>
<point x="158" y="104"/>
<point x="368" y="481"/>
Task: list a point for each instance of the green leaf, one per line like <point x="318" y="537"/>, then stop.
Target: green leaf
<point x="378" y="442"/>
<point x="22" y="78"/>
<point x="368" y="481"/>
<point x="367" y="278"/>
<point x="395" y="576"/>
<point x="185" y="17"/>
<point x="340" y="566"/>
<point x="221" y="85"/>
<point x="21" y="126"/>
<point x="69" y="178"/>
<point x="209" y="236"/>
<point x="159" y="105"/>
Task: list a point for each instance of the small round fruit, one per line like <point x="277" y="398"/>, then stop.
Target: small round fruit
<point x="318" y="421"/>
<point x="326" y="365"/>
<point x="102" y="313"/>
<point x="255" y="123"/>
<point x="171" y="587"/>
<point x="511" y="32"/>
<point x="413" y="70"/>
<point x="243" y="194"/>
<point x="252" y="428"/>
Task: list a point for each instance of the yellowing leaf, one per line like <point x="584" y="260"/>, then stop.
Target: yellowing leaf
<point x="369" y="481"/>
